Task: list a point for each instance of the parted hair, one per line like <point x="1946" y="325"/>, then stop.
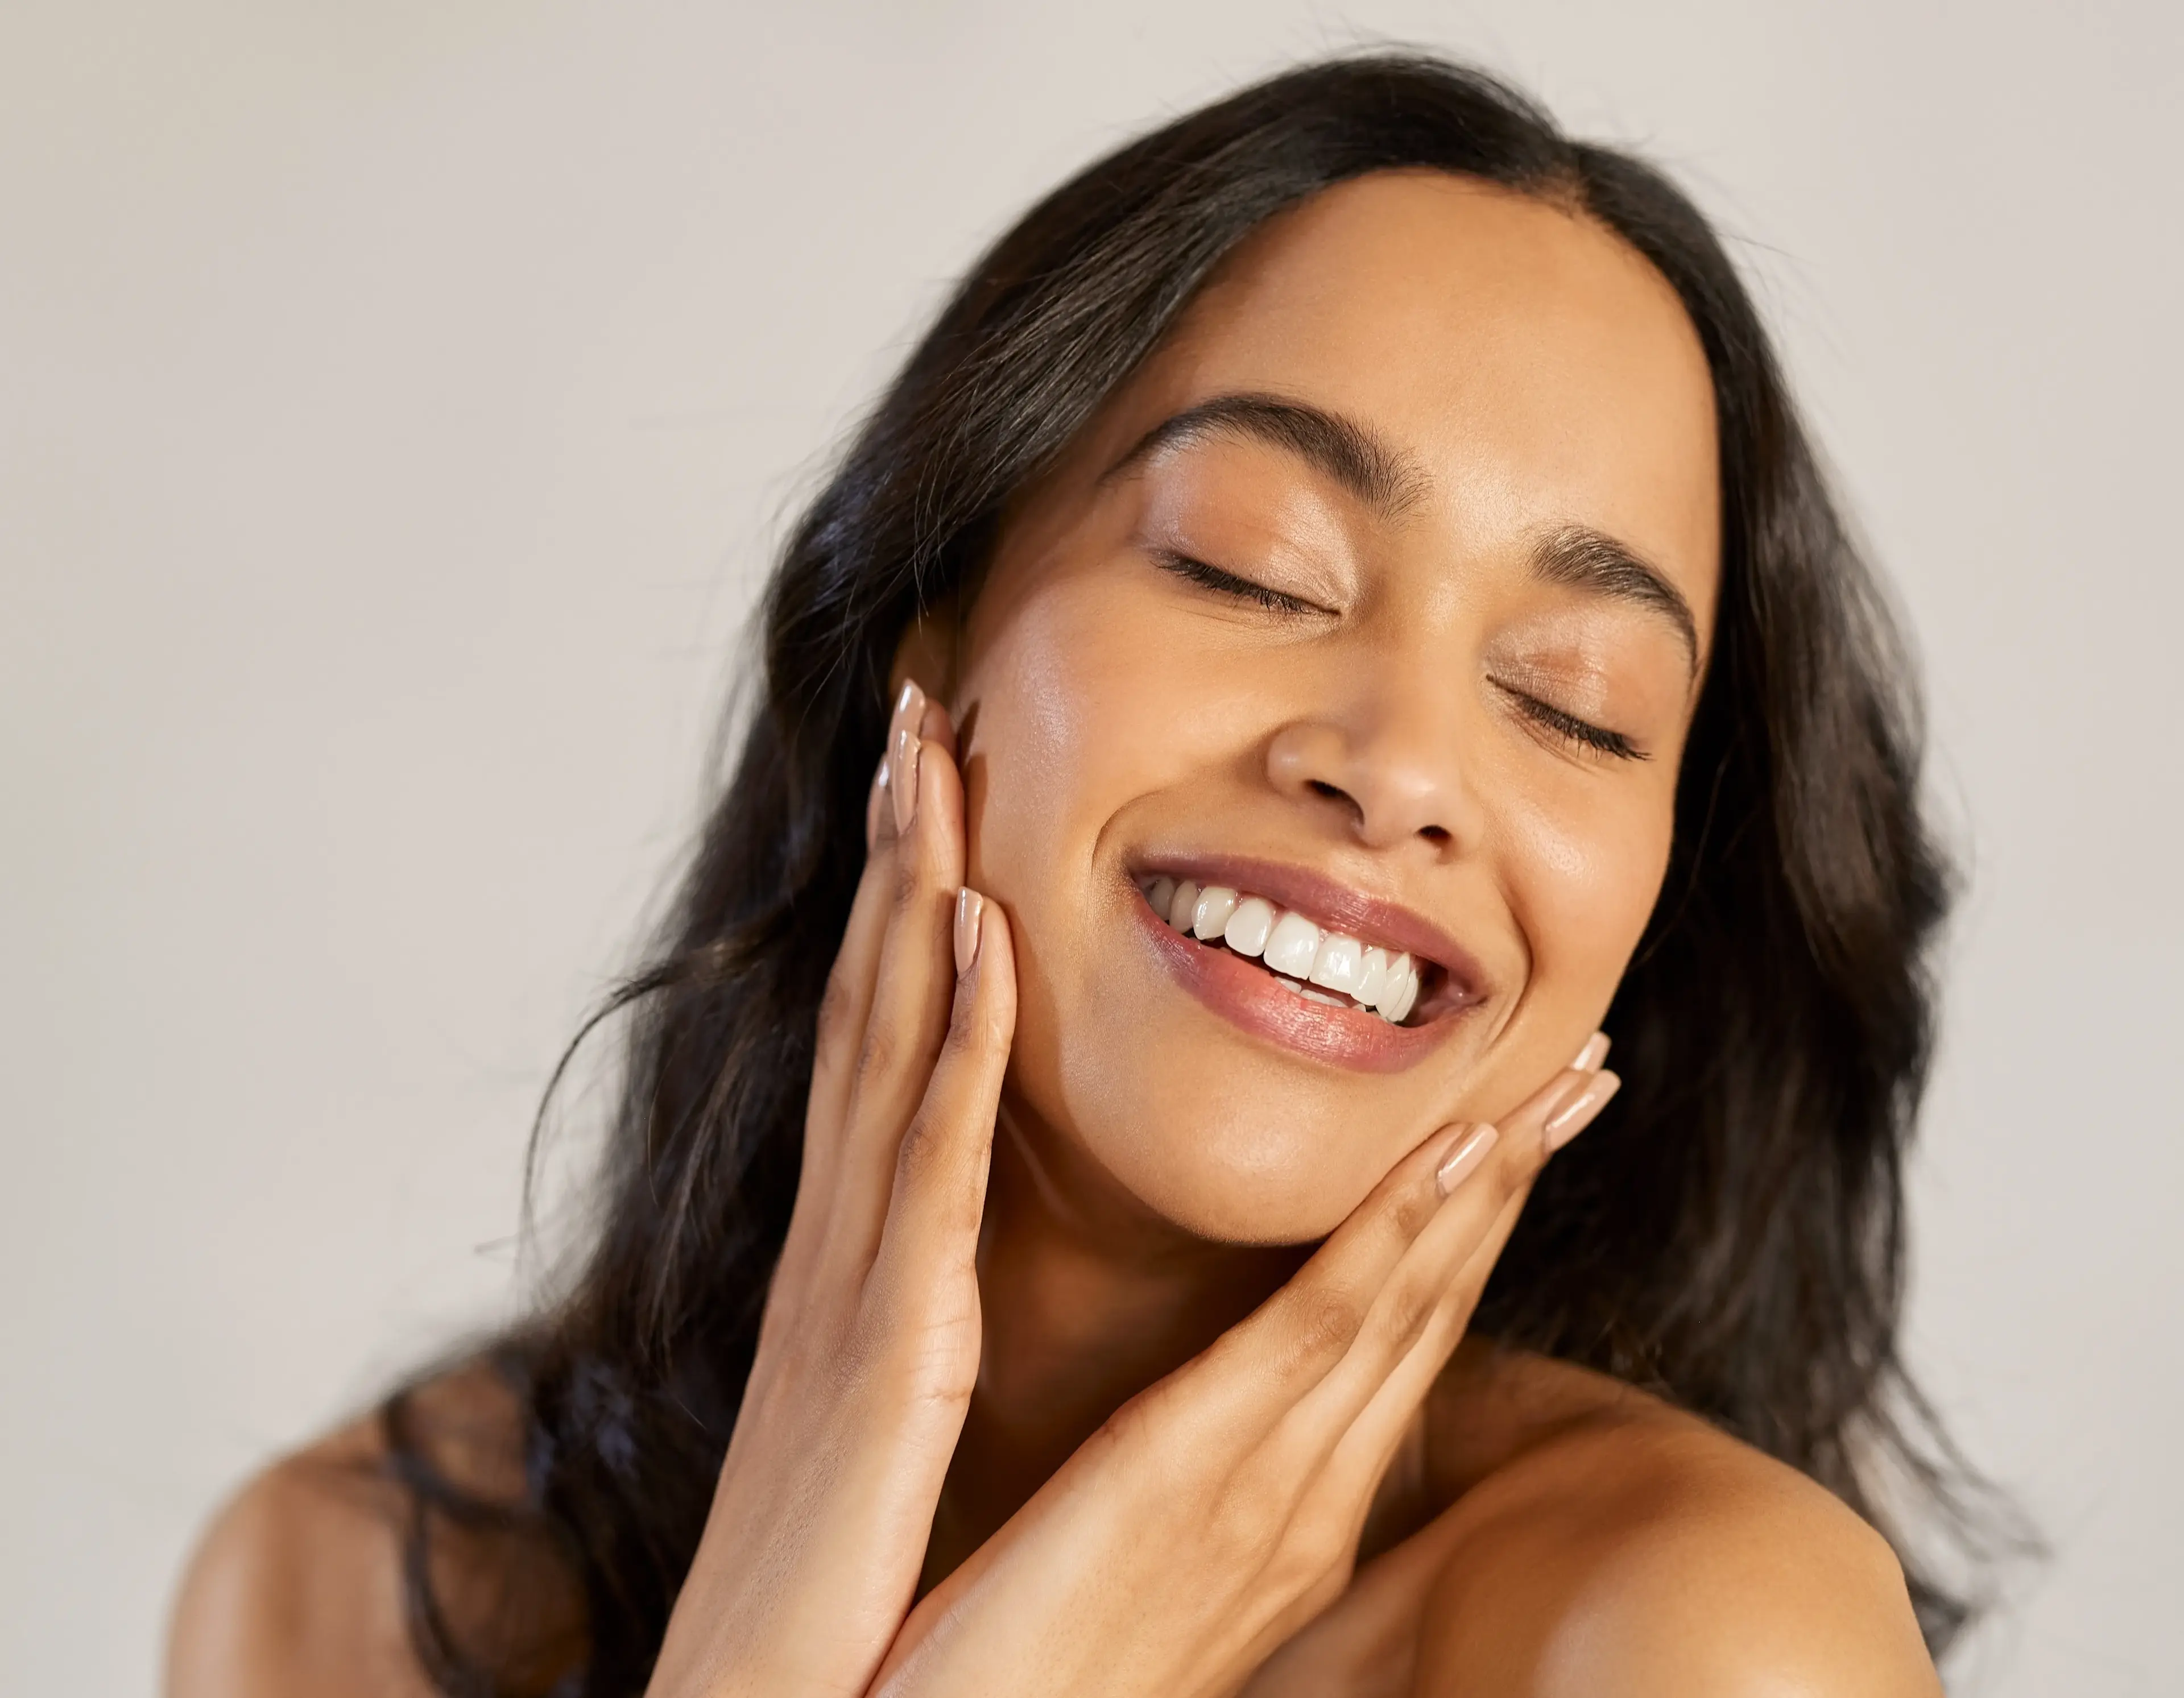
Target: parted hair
<point x="1730" y="1235"/>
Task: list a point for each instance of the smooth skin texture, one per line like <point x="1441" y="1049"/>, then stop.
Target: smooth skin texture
<point x="1055" y="1394"/>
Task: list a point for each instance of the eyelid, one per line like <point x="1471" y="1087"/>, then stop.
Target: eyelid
<point x="1221" y="581"/>
<point x="1598" y="739"/>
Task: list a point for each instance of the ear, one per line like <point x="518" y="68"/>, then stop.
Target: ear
<point x="927" y="653"/>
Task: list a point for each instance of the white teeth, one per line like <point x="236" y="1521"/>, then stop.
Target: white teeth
<point x="1297" y="950"/>
<point x="1291" y="945"/>
<point x="1339" y="965"/>
<point x="1403" y="988"/>
<point x="1374" y="980"/>
<point x="1216" y="903"/>
<point x="1247" y="927"/>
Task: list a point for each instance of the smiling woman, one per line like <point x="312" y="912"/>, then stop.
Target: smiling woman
<point x="1364" y="630"/>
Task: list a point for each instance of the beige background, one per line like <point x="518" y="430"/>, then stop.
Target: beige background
<point x="396" y="401"/>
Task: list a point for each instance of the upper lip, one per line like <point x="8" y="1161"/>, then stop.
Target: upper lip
<point x="1331" y="905"/>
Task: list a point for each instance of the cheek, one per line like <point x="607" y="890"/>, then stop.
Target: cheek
<point x="1093" y="722"/>
<point x="1584" y="882"/>
<point x="1060" y="737"/>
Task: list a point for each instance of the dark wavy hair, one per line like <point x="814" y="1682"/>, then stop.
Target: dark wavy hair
<point x="1730" y="1235"/>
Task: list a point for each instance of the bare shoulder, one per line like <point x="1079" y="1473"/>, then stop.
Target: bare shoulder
<point x="297" y="1585"/>
<point x="1637" y="1551"/>
<point x="294" y="1586"/>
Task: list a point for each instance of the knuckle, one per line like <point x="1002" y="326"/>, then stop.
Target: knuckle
<point x="924" y="1163"/>
<point x="1325" y="1322"/>
<point x="909" y="876"/>
<point x="1516" y="1169"/>
<point x="974" y="1032"/>
<point x="1131" y="1429"/>
<point x="965" y="1035"/>
<point x="837" y="1005"/>
<point x="919" y="1153"/>
<point x="918" y="1348"/>
<point x="1315" y="1552"/>
<point x="877" y="1057"/>
<point x="1409" y="1304"/>
<point x="1413" y="1207"/>
<point x="1245" y="1521"/>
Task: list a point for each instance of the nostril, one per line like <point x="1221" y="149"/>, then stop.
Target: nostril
<point x="1436" y="835"/>
<point x="1332" y="791"/>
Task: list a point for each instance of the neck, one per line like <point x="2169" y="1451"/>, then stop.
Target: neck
<point x="1089" y="1298"/>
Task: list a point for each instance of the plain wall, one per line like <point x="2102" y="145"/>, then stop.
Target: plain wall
<point x="398" y="403"/>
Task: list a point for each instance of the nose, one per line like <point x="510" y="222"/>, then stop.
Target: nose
<point x="1391" y="778"/>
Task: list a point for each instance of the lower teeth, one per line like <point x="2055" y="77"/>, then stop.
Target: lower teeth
<point x="1311" y="995"/>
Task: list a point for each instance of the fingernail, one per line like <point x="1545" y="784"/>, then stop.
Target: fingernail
<point x="909" y="705"/>
<point x="902" y="782"/>
<point x="1460" y="1162"/>
<point x="1594" y="1053"/>
<point x="970" y="918"/>
<point x="1577" y="1114"/>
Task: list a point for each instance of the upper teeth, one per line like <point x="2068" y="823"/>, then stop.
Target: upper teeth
<point x="1288" y="943"/>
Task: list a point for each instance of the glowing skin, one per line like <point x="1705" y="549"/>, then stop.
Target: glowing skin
<point x="1529" y="373"/>
<point x="1432" y="730"/>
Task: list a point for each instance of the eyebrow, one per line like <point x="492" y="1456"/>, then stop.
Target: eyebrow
<point x="1392" y="482"/>
<point x="1341" y="449"/>
<point x="1580" y="557"/>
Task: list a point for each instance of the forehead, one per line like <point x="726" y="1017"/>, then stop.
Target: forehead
<point x="1538" y="370"/>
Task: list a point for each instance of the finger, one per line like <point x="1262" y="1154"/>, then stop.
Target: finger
<point x="940" y="1190"/>
<point x="909" y="1008"/>
<point x="935" y="726"/>
<point x="1572" y="1110"/>
<point x="1309" y="1327"/>
<point x="1478" y="1190"/>
<point x="843" y="1007"/>
<point x="847" y="999"/>
<point x="1364" y="1400"/>
<point x="1361" y="1456"/>
<point x="846" y="1003"/>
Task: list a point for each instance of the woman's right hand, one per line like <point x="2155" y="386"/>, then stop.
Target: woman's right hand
<point x="869" y="1346"/>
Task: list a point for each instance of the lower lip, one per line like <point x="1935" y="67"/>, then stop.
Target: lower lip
<point x="1247" y="995"/>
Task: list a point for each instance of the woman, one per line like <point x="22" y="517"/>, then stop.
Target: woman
<point x="1350" y="620"/>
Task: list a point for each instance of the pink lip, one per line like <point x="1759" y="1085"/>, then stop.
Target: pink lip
<point x="1333" y="906"/>
<point x="1248" y="996"/>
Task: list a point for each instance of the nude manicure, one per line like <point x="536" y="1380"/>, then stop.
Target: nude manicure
<point x="1594" y="1053"/>
<point x="1577" y="1114"/>
<point x="902" y="784"/>
<point x="1462" y="1161"/>
<point x="970" y="925"/>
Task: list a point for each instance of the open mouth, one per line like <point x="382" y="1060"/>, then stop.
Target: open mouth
<point x="1313" y="962"/>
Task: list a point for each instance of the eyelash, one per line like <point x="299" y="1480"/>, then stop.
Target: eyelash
<point x="1229" y="584"/>
<point x="1573" y="729"/>
<point x="1566" y="727"/>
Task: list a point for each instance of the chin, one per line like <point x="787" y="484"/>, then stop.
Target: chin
<point x="1189" y="1083"/>
<point x="1218" y="1143"/>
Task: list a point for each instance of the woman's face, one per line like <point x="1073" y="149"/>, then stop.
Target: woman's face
<point x="1378" y="598"/>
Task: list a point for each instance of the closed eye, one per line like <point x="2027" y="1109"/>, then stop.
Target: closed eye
<point x="1572" y="729"/>
<point x="1229" y="584"/>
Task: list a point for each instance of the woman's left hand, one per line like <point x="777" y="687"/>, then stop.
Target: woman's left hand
<point x="1219" y="1511"/>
